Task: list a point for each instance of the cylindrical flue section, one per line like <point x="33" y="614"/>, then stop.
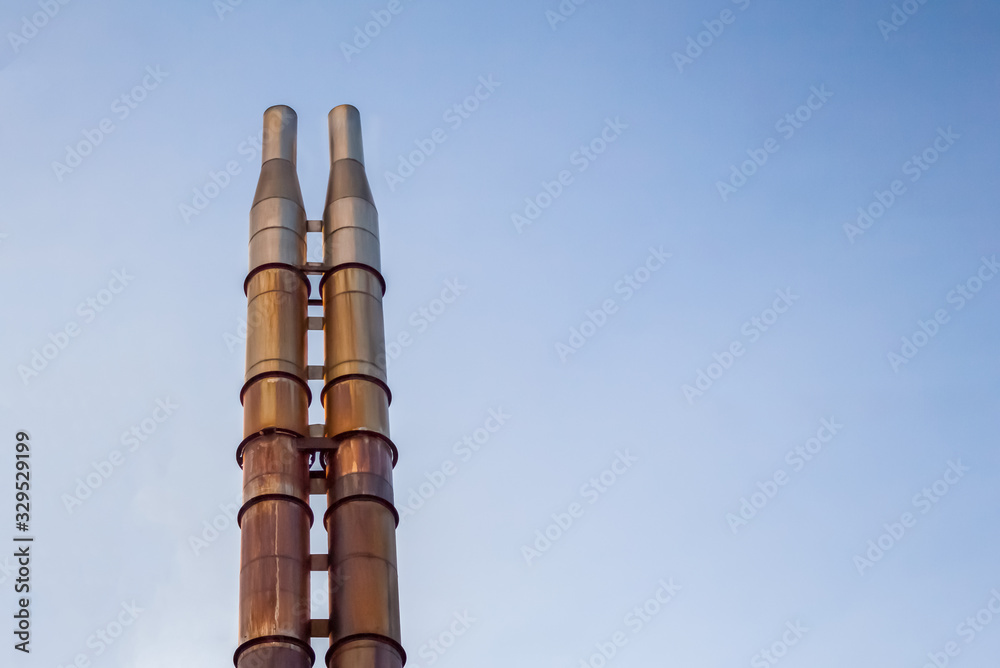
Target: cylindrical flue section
<point x="275" y="517"/>
<point x="361" y="519"/>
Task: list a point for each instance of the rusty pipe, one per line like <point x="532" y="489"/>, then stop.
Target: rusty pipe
<point x="361" y="517"/>
<point x="274" y="627"/>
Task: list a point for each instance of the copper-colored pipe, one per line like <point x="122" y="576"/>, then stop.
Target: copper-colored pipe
<point x="275" y="518"/>
<point x="361" y="519"/>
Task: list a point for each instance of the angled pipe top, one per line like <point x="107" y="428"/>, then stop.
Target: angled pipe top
<point x="277" y="173"/>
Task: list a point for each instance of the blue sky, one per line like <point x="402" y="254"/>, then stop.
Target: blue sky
<point x="786" y="324"/>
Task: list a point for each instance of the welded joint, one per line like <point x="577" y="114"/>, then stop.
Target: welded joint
<point x="261" y="498"/>
<point x="360" y="486"/>
<point x="338" y="437"/>
<point x="319" y="628"/>
<point x="303" y="646"/>
<point x="263" y="432"/>
<point x="315" y="322"/>
<point x="330" y="271"/>
<point x="336" y="644"/>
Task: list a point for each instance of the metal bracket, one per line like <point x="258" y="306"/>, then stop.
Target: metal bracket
<point x="319" y="562"/>
<point x="314" y="372"/>
<point x="319" y="628"/>
<point x="315" y="322"/>
<point x="315" y="444"/>
<point x="317" y="483"/>
<point x="314" y="226"/>
<point x="314" y="268"/>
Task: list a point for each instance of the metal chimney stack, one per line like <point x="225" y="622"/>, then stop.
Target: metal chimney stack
<point x="279" y="445"/>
